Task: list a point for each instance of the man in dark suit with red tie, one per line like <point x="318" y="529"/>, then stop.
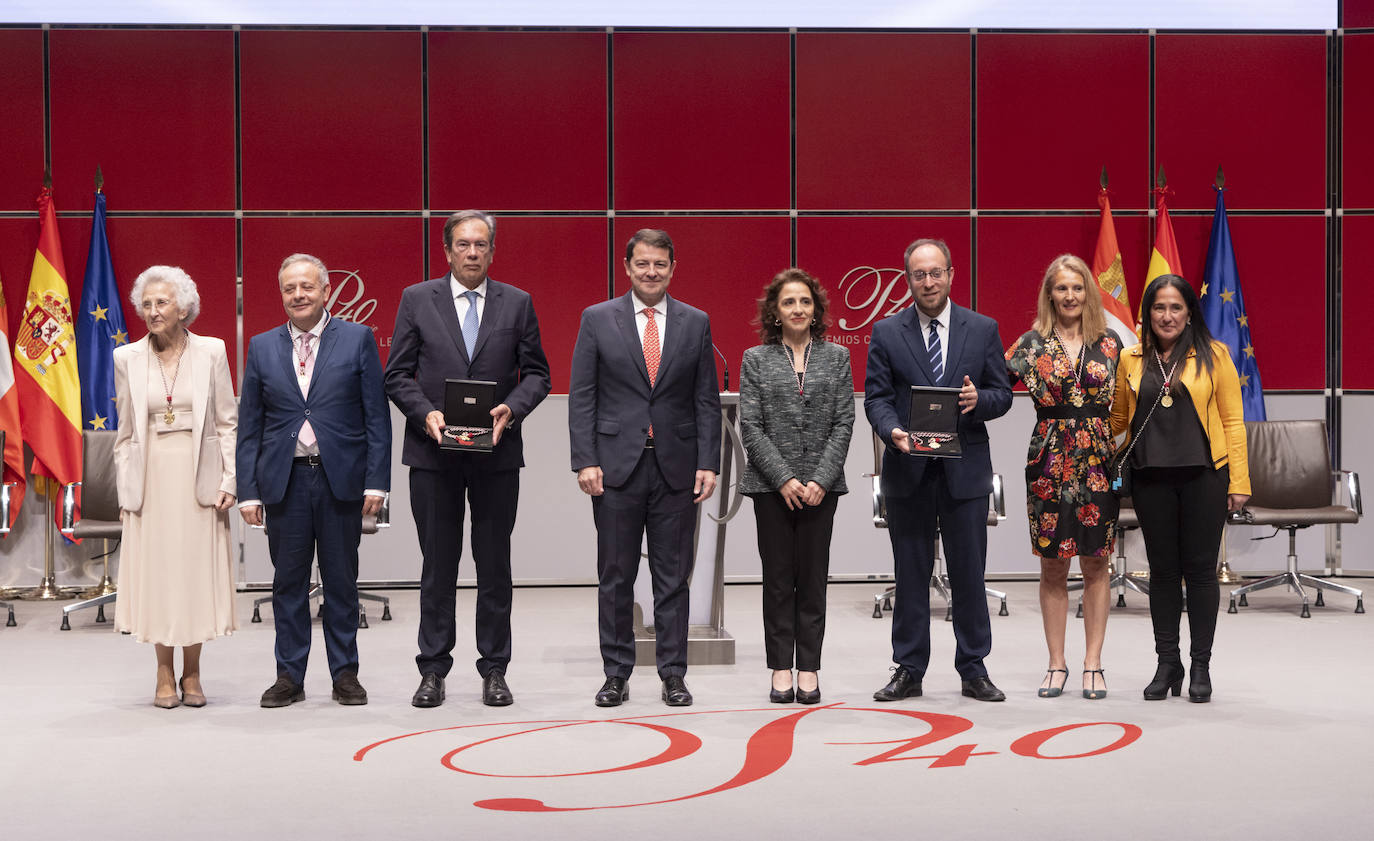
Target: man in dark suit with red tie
<point x="644" y="424"/>
<point x="937" y="343"/>
<point x="465" y="326"/>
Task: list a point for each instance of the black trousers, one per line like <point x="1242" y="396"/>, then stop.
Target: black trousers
<point x="1182" y="512"/>
<point x="794" y="546"/>
<point x="624" y="515"/>
<point x="436" y="501"/>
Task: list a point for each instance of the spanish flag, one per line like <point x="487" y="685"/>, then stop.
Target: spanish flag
<point x="9" y="417"/>
<point x="1164" y="258"/>
<point x="1111" y="275"/>
<point x="45" y="364"/>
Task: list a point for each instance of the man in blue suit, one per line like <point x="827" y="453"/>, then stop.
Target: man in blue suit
<point x="465" y="326"/>
<point x="644" y="423"/>
<point x="314" y="449"/>
<point x="936" y="343"/>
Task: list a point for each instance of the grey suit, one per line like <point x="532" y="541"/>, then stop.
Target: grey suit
<point x="803" y="436"/>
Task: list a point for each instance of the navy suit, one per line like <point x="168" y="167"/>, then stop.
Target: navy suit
<point x="922" y="492"/>
<point x="610" y="408"/>
<point x="426" y="349"/>
<point x="308" y="507"/>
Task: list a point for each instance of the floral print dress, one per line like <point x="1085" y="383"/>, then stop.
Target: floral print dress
<point x="1070" y="505"/>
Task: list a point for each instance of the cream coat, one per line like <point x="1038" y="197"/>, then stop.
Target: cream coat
<point x="207" y="365"/>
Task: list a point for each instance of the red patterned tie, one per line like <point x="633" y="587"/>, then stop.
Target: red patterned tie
<point x="651" y="349"/>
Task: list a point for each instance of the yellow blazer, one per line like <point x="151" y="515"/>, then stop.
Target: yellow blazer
<point x="214" y="419"/>
<point x="1216" y="398"/>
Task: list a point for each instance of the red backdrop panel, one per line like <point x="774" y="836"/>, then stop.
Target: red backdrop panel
<point x="701" y="121"/>
<point x="369" y="260"/>
<point x="1013" y="254"/>
<point x="332" y="120"/>
<point x="1357" y="121"/>
<point x="1253" y="104"/>
<point x="1357" y="13"/>
<point x="155" y="109"/>
<point x="18" y="239"/>
<point x="859" y="262"/>
<point x="723" y="263"/>
<point x="21" y="113"/>
<point x="864" y="141"/>
<point x="1357" y="301"/>
<point x="538" y="127"/>
<point x="1280" y="304"/>
<point x="1053" y="110"/>
<point x="561" y="262"/>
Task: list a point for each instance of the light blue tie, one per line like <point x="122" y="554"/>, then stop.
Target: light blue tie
<point x="937" y="358"/>
<point x="470" y="323"/>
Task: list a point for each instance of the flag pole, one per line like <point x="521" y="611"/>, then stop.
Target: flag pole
<point x="1224" y="573"/>
<point x="47" y="590"/>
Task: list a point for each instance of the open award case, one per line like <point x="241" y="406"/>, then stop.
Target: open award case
<point x="934" y="422"/>
<point x="467" y="415"/>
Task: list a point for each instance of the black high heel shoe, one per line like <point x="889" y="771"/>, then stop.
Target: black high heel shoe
<point x="1094" y="693"/>
<point x="1050" y="690"/>
<point x="1199" y="683"/>
<point x="781" y="696"/>
<point x="1168" y="677"/>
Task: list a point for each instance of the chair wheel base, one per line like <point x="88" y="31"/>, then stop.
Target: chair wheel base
<point x="949" y="614"/>
<point x="1244" y="600"/>
<point x="1306" y="613"/>
<point x="1321" y="599"/>
<point x="100" y="613"/>
<point x="1120" y="599"/>
<point x="66" y="623"/>
<point x="1002" y="611"/>
<point x="1079" y="614"/>
<point x="386" y="613"/>
<point x="362" y="619"/>
<point x="1359" y="608"/>
<point x="1232" y="608"/>
<point x="10" y="623"/>
<point x="257" y="615"/>
<point x="887" y="603"/>
<point x="877" y="611"/>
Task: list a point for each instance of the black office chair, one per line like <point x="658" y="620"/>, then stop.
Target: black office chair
<point x="1292" y="486"/>
<point x="938" y="579"/>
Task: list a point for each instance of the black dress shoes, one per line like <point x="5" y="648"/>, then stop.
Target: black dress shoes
<point x="903" y="685"/>
<point x="675" y="692"/>
<point x="614" y="692"/>
<point x="781" y="696"/>
<point x="1199" y="683"/>
<point x="495" y="692"/>
<point x="982" y="689"/>
<point x="283" y="693"/>
<point x="430" y="693"/>
<point x="1168" y="678"/>
<point x="812" y="696"/>
<point x="348" y="691"/>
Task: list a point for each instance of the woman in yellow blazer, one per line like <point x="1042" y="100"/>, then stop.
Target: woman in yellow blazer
<point x="174" y="461"/>
<point x="1178" y="398"/>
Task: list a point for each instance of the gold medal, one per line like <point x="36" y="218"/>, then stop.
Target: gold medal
<point x="1167" y="400"/>
<point x="934" y="444"/>
<point x="168" y="417"/>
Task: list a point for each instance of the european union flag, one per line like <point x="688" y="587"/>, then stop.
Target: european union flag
<point x="99" y="328"/>
<point x="1224" y="309"/>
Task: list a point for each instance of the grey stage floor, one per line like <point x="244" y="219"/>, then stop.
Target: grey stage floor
<point x="1283" y="752"/>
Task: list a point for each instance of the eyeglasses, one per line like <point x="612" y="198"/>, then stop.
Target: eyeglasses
<point x="933" y="274"/>
<point x="480" y="246"/>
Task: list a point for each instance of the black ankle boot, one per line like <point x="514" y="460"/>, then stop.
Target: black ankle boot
<point x="1169" y="676"/>
<point x="1199" y="684"/>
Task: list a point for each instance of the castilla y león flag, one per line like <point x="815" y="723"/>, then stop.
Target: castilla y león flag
<point x="45" y="363"/>
<point x="1111" y="276"/>
<point x="9" y="418"/>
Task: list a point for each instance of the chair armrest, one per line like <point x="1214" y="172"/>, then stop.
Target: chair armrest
<point x="999" y="497"/>
<point x="5" y="507"/>
<point x="879" y="507"/>
<point x="69" y="518"/>
<point x="1350" y="481"/>
<point x="384" y="513"/>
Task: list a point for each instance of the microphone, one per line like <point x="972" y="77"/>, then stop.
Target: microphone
<point x="725" y="366"/>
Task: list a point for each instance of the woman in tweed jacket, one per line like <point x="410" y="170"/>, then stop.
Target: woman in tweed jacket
<point x="796" y="417"/>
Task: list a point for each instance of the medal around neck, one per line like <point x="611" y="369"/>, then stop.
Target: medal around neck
<point x="934" y="422"/>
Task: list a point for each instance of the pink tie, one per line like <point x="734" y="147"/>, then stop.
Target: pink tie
<point x="306" y="361"/>
<point x="651" y="351"/>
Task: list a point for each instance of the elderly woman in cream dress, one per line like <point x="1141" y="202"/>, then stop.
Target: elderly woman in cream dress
<point x="174" y="457"/>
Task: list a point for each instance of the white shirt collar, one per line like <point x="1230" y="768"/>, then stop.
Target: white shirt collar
<point x="943" y="318"/>
<point x="661" y="307"/>
<point x="457" y="289"/>
<point x="315" y="331"/>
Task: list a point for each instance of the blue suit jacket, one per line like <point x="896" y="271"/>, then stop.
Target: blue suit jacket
<point x="427" y="349"/>
<point x="346" y="409"/>
<point x="897" y="360"/>
<point x="610" y="402"/>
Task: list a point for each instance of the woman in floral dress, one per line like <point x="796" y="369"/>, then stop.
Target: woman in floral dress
<point x="1068" y="362"/>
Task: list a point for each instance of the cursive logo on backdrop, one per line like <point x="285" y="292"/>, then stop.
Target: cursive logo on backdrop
<point x="873" y="294"/>
<point x="346" y="299"/>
